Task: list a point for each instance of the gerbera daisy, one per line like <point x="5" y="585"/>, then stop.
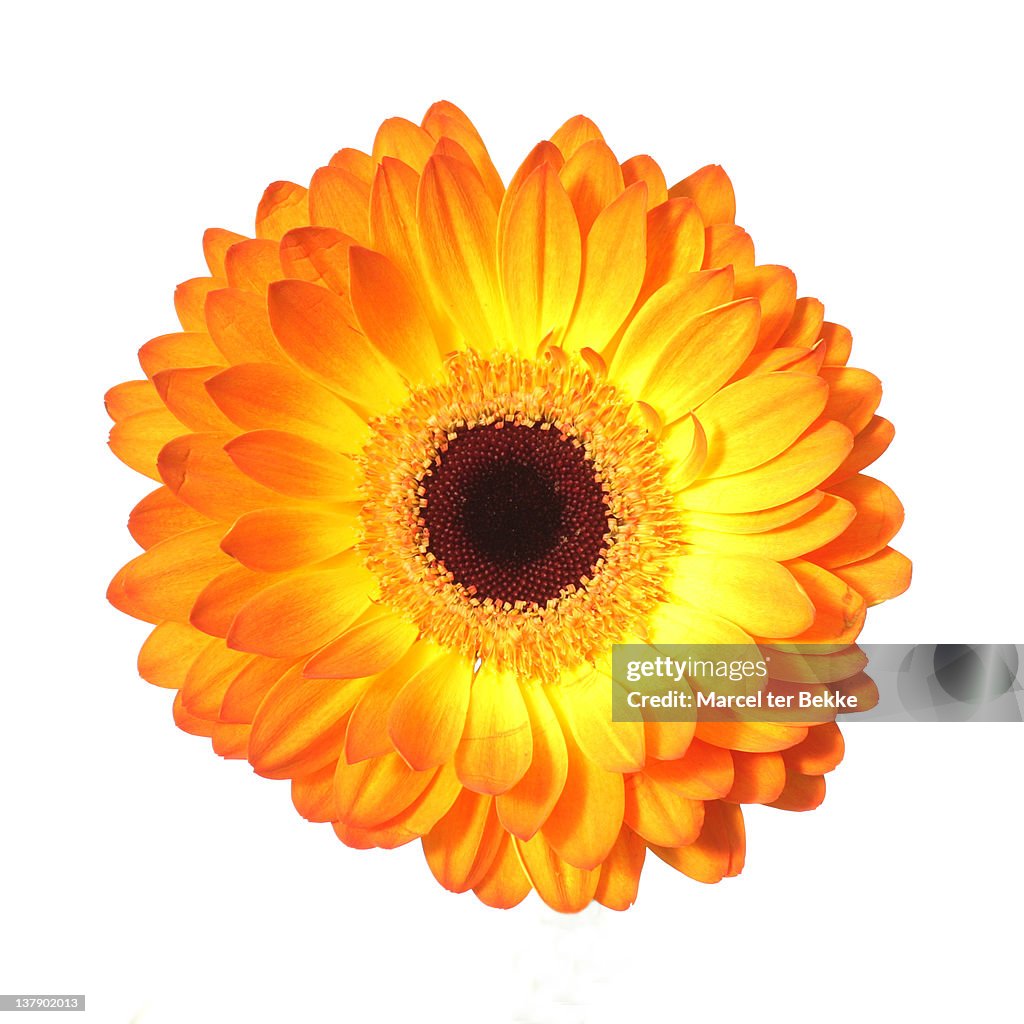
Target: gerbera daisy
<point x="427" y="446"/>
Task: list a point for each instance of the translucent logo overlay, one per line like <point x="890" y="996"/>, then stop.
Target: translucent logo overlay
<point x="817" y="683"/>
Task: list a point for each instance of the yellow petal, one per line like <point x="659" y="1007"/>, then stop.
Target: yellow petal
<point x="675" y="244"/>
<point x="759" y="595"/>
<point x="756" y="418"/>
<point x="613" y="270"/>
<point x="429" y="713"/>
<point x="505" y="884"/>
<point x="497" y="743"/>
<point x="711" y="189"/>
<point x="373" y="644"/>
<point x="461" y="847"/>
<point x="801" y="468"/>
<point x="644" y="168"/>
<point x="700" y="357"/>
<point x="539" y="258"/>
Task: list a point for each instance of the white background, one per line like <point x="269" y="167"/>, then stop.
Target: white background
<point x="874" y="150"/>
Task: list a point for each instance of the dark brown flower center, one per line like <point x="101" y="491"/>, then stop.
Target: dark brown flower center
<point x="515" y="512"/>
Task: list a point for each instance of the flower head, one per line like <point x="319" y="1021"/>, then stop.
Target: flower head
<point x="427" y="446"/>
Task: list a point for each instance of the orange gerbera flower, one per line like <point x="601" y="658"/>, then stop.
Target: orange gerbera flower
<point x="427" y="446"/>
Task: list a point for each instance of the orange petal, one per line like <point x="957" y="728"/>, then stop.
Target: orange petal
<point x="853" y="396"/>
<point x="559" y="884"/>
<point x="525" y="807"/>
<point x="428" y="714"/>
<point x="585" y="822"/>
<point x="613" y="270"/>
<point x="711" y="189"/>
<point x="801" y="793"/>
<point x="593" y="180"/>
<point x="539" y="258"/>
<point x="868" y="445"/>
<point x="283" y="207"/>
<point x="675" y="244"/>
<point x="403" y="140"/>
<point x="300" y="726"/>
<point x="339" y="199"/>
<point x="317" y="255"/>
<point x="294" y="465"/>
<point x="222" y="598"/>
<point x="505" y="883"/>
<point x="659" y="814"/>
<point x="130" y="398"/>
<point x="163" y="582"/>
<point x="231" y="741"/>
<point x="879" y="518"/>
<point x="775" y="290"/>
<point x="245" y="694"/>
<point x="458" y="226"/>
<point x="753" y="737"/>
<point x="704" y="772"/>
<point x="269" y="395"/>
<point x="370" y="646"/>
<point x="576" y="132"/>
<point x="367" y="734"/>
<point x="189" y="723"/>
<point x="444" y="120"/>
<point x="804" y="327"/>
<point x="885" y="574"/>
<point x="173" y="351"/>
<point x="278" y="539"/>
<point x="726" y="245"/>
<point x="313" y="794"/>
<point x="316" y="329"/>
<point x="371" y="792"/>
<point x="355" y="161"/>
<point x="393" y="229"/>
<point x="240" y="328"/>
<point x="184" y="393"/>
<point x="720" y="850"/>
<point x="301" y="613"/>
<point x="190" y="300"/>
<point x="497" y="743"/>
<point x="197" y="469"/>
<point x="208" y="678"/>
<point x="252" y="264"/>
<point x="838" y="343"/>
<point x="168" y="652"/>
<point x="391" y="316"/>
<point x="838" y="608"/>
<point x="820" y="752"/>
<point x="700" y="357"/>
<point x="137" y="440"/>
<point x="644" y="168"/>
<point x="666" y="741"/>
<point x="463" y="844"/>
<point x="620" y="873"/>
<point x="216" y="242"/>
<point x="760" y="778"/>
